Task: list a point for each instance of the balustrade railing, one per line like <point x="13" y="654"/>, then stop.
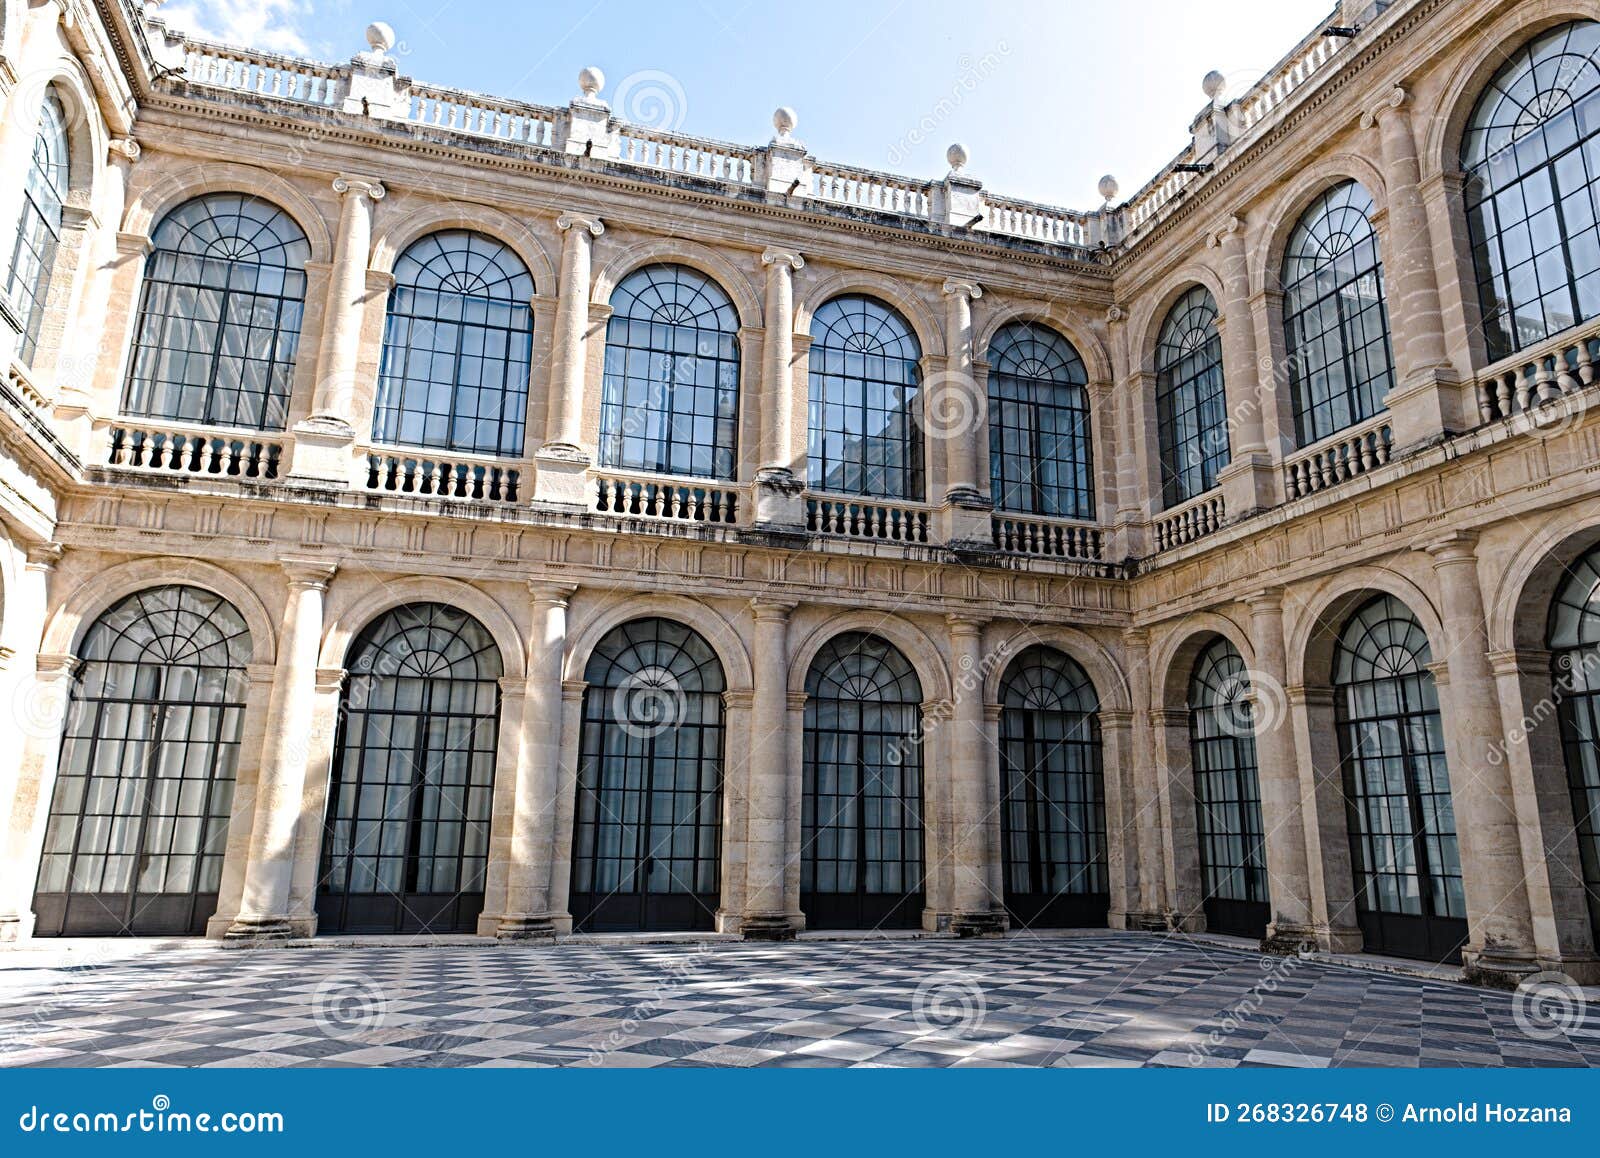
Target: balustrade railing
<point x="1052" y="226"/>
<point x="667" y="500"/>
<point x="690" y="156"/>
<point x="481" y="116"/>
<point x="1530" y="382"/>
<point x="862" y="519"/>
<point x="264" y="74"/>
<point x="1047" y="538"/>
<point x="1195" y="519"/>
<point x="423" y="475"/>
<point x="1343" y="456"/>
<point x="1273" y="91"/>
<point x="865" y="189"/>
<point x="180" y="451"/>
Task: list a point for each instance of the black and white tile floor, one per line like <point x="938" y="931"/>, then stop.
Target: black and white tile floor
<point x="1104" y="1000"/>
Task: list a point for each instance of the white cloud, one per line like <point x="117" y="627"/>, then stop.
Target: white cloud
<point x="271" y="25"/>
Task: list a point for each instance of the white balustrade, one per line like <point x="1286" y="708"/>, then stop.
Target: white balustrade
<point x="263" y="74"/>
<point x="865" y="189"/>
<point x="1034" y="222"/>
<point x="1195" y="519"/>
<point x="1531" y="382"/>
<point x="690" y="156"/>
<point x="666" y="500"/>
<point x="165" y="449"/>
<point x="1343" y="456"/>
<point x="1047" y="538"/>
<point x="861" y="519"/>
<point x="423" y="475"/>
<point x="481" y="116"/>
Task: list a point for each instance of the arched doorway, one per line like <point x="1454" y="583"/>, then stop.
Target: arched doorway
<point x="139" y="814"/>
<point x="406" y="838"/>
<point x="861" y="863"/>
<point x="1052" y="794"/>
<point x="1406" y="865"/>
<point x="647" y="842"/>
<point x="1227" y="793"/>
<point x="1573" y="637"/>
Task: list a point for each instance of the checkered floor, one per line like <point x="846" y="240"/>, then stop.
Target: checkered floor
<point x="1102" y="1000"/>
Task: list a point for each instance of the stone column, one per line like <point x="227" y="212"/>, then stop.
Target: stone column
<point x="974" y="912"/>
<point x="1152" y="899"/>
<point x="1500" y="948"/>
<point x="766" y="916"/>
<point x="528" y="910"/>
<point x="953" y="414"/>
<point x="1175" y="764"/>
<point x="1426" y="401"/>
<point x="264" y="913"/>
<point x="1327" y="832"/>
<point x="563" y="458"/>
<point x="1247" y="480"/>
<point x="323" y="450"/>
<point x="777" y="489"/>
<point x="1278" y="775"/>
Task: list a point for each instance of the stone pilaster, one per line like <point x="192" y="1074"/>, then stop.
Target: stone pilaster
<point x="767" y="908"/>
<point x="1152" y="899"/>
<point x="264" y="911"/>
<point x="778" y="490"/>
<point x="975" y="913"/>
<point x="1248" y="481"/>
<point x="953" y="416"/>
<point x="563" y="458"/>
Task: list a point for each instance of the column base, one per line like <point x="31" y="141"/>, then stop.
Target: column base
<point x="259" y="930"/>
<point x="1495" y="970"/>
<point x="561" y="476"/>
<point x="1249" y="485"/>
<point x="779" y="499"/>
<point x="1425" y="409"/>
<point x="525" y="928"/>
<point x="324" y="452"/>
<point x="766" y="927"/>
<point x="967" y="522"/>
<point x="988" y="924"/>
<point x="1287" y="940"/>
<point x="1147" y="922"/>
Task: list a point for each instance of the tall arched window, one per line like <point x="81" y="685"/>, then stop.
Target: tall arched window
<point x="1052" y="794"/>
<point x="33" y="258"/>
<point x="865" y="378"/>
<point x="406" y="838"/>
<point x="1227" y="793"/>
<point x="1532" y="158"/>
<point x="648" y="833"/>
<point x="219" y="315"/>
<point x="139" y="814"/>
<point x="1041" y="460"/>
<point x="861" y="862"/>
<point x="1191" y="409"/>
<point x="1335" y="320"/>
<point x="1574" y="641"/>
<point x="1407" y="867"/>
<point x="456" y="347"/>
<point x="671" y="399"/>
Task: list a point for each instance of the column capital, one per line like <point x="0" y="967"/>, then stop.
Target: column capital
<point x="512" y="688"/>
<point x="124" y="149"/>
<point x="369" y="187"/>
<point x="329" y="680"/>
<point x="555" y="594"/>
<point x="308" y="573"/>
<point x="54" y="666"/>
<point x="1455" y="547"/>
<point x="1265" y="600"/>
<point x="1230" y="231"/>
<point x="44" y="556"/>
<point x="1395" y="98"/>
<point x="1116" y="315"/>
<point x="962" y="287"/>
<point x="1521" y="660"/>
<point x="260" y="673"/>
<point x="573" y="690"/>
<point x="1169" y="717"/>
<point x="797" y="701"/>
<point x="772" y="610"/>
<point x="738" y="701"/>
<point x="782" y="258"/>
<point x="581" y="222"/>
<point x="963" y="624"/>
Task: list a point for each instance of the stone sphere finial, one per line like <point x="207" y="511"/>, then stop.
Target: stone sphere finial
<point x="590" y="81"/>
<point x="380" y="37"/>
<point x="1213" y="84"/>
<point x="1109" y="187"/>
<point x="958" y="156"/>
<point x="784" y="120"/>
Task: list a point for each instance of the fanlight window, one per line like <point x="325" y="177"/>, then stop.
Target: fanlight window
<point x="1040" y="452"/>
<point x="1532" y="157"/>
<point x="219" y="315"/>
<point x="457" y="347"/>
<point x="671" y="398"/>
<point x="1191" y="409"/>
<point x="33" y="258"/>
<point x="1335" y="320"/>
<point x="865" y="378"/>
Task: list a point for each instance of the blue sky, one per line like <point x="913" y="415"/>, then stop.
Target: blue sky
<point x="1045" y="96"/>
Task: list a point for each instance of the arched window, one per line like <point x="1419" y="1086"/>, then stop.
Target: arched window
<point x="406" y="838"/>
<point x="1041" y="460"/>
<point x="1052" y="794"/>
<point x="865" y="378"/>
<point x="219" y="315"/>
<point x="1532" y="158"/>
<point x="1407" y="867"/>
<point x="671" y="399"/>
<point x="1574" y="642"/>
<point x="861" y="862"/>
<point x="1227" y="793"/>
<point x="1335" y="319"/>
<point x="1191" y="408"/>
<point x="33" y="258"/>
<point x="648" y="833"/>
<point x="456" y="347"/>
<point x="139" y="813"/>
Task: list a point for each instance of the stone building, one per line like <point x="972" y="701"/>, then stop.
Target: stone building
<point x="429" y="512"/>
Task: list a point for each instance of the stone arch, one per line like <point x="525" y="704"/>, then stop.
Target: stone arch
<point x="1110" y="685"/>
<point x="1331" y="603"/>
<point x="1519" y="603"/>
<point x="1284" y="213"/>
<point x="701" y="618"/>
<point x="810" y="295"/>
<point x="151" y="203"/>
<point x="67" y="622"/>
<point x="920" y="651"/>
<point x="1446" y="117"/>
<point x="396" y="237"/>
<point x="351" y="615"/>
<point x="1172" y="662"/>
<point x="87" y="136"/>
<point x="1090" y="347"/>
<point x="675" y="251"/>
<point x="1150" y="314"/>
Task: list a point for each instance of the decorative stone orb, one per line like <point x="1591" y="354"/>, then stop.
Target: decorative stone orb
<point x="380" y="37"/>
<point x="784" y="120"/>
<point x="1109" y="187"/>
<point x="957" y="156"/>
<point x="591" y="80"/>
<point x="1213" y="84"/>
